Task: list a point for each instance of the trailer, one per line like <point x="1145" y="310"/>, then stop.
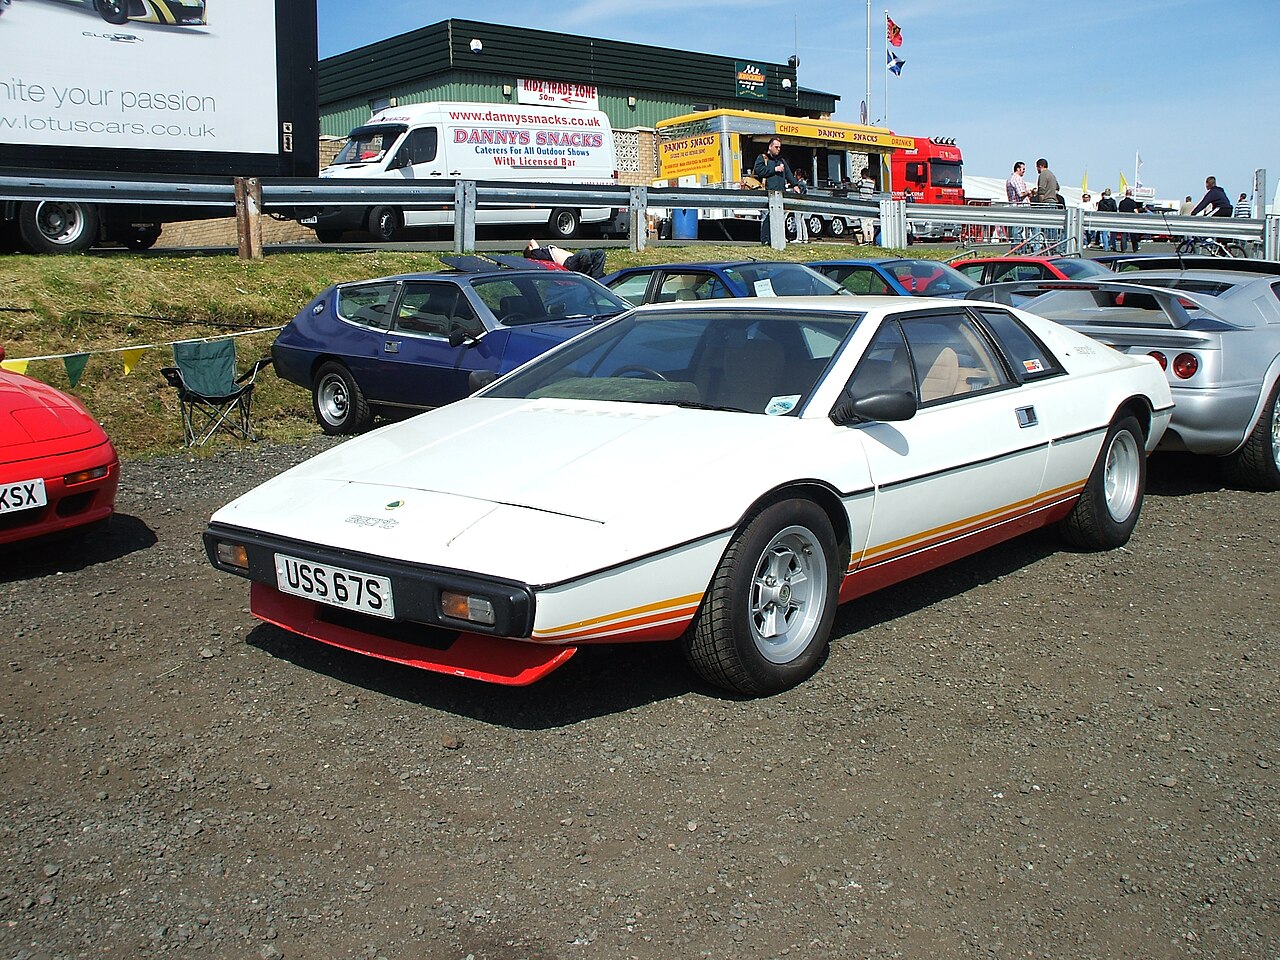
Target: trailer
<point x="229" y="93"/>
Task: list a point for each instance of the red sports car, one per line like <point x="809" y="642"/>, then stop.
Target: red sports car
<point x="58" y="470"/>
<point x="1008" y="269"/>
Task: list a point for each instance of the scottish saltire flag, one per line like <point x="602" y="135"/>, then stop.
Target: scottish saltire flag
<point x="895" y="64"/>
<point x="894" y="32"/>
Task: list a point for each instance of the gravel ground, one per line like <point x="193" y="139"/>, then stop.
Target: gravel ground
<point x="1032" y="753"/>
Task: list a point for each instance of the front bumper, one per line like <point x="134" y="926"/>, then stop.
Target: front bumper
<point x="69" y="505"/>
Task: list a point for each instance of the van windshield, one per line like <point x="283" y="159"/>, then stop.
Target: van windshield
<point x="369" y="144"/>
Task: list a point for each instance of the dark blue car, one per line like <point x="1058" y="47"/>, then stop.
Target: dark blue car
<point x="896" y="277"/>
<point x="668" y="282"/>
<point x="410" y="342"/>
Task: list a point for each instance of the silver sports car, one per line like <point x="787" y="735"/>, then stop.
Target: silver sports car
<point x="1216" y="333"/>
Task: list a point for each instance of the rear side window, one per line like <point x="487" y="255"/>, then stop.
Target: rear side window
<point x="368" y="304"/>
<point x="1031" y="359"/>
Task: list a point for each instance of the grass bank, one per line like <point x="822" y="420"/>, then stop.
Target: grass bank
<point x="96" y="305"/>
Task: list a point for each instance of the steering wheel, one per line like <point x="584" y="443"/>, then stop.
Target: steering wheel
<point x="511" y="319"/>
<point x="647" y="372"/>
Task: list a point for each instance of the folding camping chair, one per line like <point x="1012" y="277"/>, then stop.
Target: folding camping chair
<point x="212" y="397"/>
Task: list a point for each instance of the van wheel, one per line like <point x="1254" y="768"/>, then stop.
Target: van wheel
<point x="384" y="224"/>
<point x="563" y="224"/>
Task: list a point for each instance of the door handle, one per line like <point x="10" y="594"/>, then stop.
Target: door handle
<point x="391" y="346"/>
<point x="1027" y="417"/>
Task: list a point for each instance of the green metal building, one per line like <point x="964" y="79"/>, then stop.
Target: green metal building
<point x="636" y="85"/>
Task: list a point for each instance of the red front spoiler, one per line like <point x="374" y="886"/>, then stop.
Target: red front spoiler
<point x="491" y="659"/>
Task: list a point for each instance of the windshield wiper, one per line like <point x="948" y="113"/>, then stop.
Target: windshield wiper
<point x="699" y="405"/>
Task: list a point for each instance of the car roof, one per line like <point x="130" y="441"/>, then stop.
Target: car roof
<point x="462" y="275"/>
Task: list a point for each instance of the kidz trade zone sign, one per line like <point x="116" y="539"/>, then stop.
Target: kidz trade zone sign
<point x="555" y="93"/>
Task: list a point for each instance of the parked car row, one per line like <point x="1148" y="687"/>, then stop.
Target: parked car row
<point x="720" y="468"/>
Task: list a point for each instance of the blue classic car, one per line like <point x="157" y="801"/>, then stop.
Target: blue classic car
<point x="669" y="282"/>
<point x="899" y="276"/>
<point x="412" y="342"/>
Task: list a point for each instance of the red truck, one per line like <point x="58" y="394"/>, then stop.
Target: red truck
<point x="932" y="172"/>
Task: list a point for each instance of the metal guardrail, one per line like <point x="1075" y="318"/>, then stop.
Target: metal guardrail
<point x="292" y="197"/>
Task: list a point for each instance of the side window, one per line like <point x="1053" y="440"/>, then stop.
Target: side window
<point x="428" y="308"/>
<point x="1031" y="359"/>
<point x="886" y="366"/>
<point x="418" y="147"/>
<point x="683" y="286"/>
<point x="493" y="292"/>
<point x="368" y="304"/>
<point x="950" y="356"/>
<point x="864" y="280"/>
<point x="973" y="271"/>
<point x="631" y="288"/>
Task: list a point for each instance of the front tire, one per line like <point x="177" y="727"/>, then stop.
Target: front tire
<point x="57" y="226"/>
<point x="563" y="224"/>
<point x="1108" y="509"/>
<point x="114" y="11"/>
<point x="339" y="403"/>
<point x="765" y="622"/>
<point x="383" y="224"/>
<point x="1256" y="465"/>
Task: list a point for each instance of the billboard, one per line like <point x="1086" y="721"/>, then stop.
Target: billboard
<point x="171" y="87"/>
<point x="151" y="84"/>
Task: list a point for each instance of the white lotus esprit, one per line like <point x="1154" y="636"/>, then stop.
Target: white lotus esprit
<point x="720" y="473"/>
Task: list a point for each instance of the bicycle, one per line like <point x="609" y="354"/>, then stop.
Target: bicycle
<point x="1212" y="247"/>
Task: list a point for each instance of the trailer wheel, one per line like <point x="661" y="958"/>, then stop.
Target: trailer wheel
<point x="837" y="226"/>
<point x="57" y="226"/>
<point x="563" y="224"/>
<point x="114" y="11"/>
<point x="384" y="224"/>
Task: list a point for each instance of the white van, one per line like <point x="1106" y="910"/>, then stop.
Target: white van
<point x="473" y="141"/>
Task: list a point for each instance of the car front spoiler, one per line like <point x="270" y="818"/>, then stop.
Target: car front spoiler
<point x="512" y="663"/>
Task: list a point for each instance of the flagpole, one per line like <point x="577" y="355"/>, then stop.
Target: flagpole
<point x="868" y="116"/>
<point x="886" y="79"/>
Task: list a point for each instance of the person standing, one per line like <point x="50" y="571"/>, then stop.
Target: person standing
<point x="1185" y="209"/>
<point x="1215" y="200"/>
<point x="1106" y="204"/>
<point x="1047" y="191"/>
<point x="772" y="170"/>
<point x="1088" y="205"/>
<point x="802" y="187"/>
<point x="1019" y="195"/>
<point x="1243" y="210"/>
<point x="1129" y="205"/>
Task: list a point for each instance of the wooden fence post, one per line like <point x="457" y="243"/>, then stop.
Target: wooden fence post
<point x="249" y="217"/>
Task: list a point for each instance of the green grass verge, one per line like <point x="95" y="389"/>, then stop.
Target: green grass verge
<point x="61" y="305"/>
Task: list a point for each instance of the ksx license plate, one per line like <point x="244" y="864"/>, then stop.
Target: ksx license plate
<point x="336" y="586"/>
<point x="23" y="495"/>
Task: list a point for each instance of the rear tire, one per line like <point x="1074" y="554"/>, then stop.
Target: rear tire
<point x="339" y="403"/>
<point x="765" y="622"/>
<point x="563" y="224"/>
<point x="114" y="11"/>
<point x="1256" y="465"/>
<point x="1108" y="509"/>
<point x="57" y="226"/>
<point x="383" y="224"/>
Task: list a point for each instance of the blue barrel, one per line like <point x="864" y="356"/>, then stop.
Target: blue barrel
<point x="684" y="223"/>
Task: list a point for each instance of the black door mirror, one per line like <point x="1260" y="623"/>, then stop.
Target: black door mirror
<point x="481" y="378"/>
<point x="885" y="407"/>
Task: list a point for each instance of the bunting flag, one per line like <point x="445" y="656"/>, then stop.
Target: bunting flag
<point x="131" y="358"/>
<point x="896" y="63"/>
<point x="14" y="366"/>
<point x="75" y="364"/>
<point x="894" y="32"/>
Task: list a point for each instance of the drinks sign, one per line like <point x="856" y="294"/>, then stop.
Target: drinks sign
<point x="556" y="93"/>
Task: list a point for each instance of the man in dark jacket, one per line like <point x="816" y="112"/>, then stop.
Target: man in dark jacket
<point x="1129" y="205"/>
<point x="772" y="170"/>
<point x="1107" y="205"/>
<point x="1215" y="200"/>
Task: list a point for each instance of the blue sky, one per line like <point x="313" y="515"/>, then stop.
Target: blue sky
<point x="1192" y="86"/>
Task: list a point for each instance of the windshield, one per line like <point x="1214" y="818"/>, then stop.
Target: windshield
<point x="546" y="295"/>
<point x="367" y="144"/>
<point x="929" y="278"/>
<point x="774" y="279"/>
<point x="1077" y="267"/>
<point x="753" y="361"/>
<point x="946" y="173"/>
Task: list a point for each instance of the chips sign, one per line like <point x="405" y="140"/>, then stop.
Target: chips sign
<point x="557" y="93"/>
<point x="752" y="82"/>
